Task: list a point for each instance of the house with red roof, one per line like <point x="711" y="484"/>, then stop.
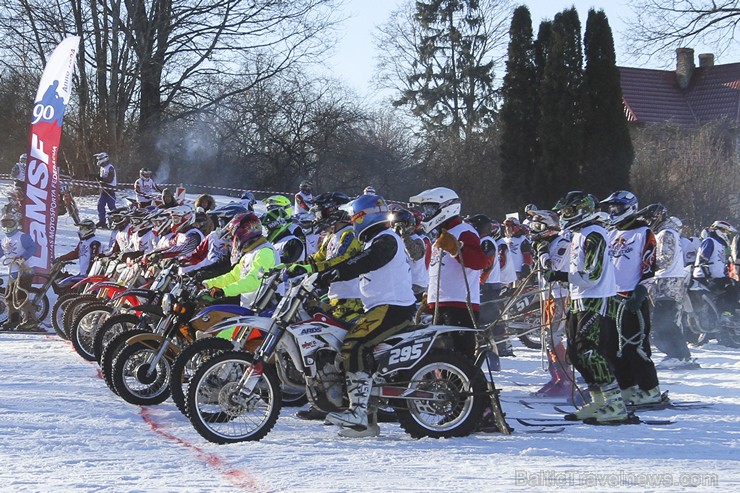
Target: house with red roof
<point x="689" y="95"/>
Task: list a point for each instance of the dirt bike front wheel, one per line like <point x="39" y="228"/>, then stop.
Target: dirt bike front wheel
<point x="220" y="413"/>
<point x="136" y="380"/>
<point x="189" y="360"/>
<point x="464" y="389"/>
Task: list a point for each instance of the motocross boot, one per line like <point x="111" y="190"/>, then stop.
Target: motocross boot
<point x="358" y="388"/>
<point x="372" y="429"/>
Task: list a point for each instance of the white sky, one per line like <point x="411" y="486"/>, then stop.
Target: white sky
<point x="354" y="61"/>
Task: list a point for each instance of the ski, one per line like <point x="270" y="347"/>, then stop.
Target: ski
<point x="554" y="422"/>
<point x="631" y="420"/>
<point x="546" y="423"/>
<point x="544" y="430"/>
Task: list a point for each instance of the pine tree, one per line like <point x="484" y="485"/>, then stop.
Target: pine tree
<point x="561" y="121"/>
<point x="519" y="113"/>
<point x="452" y="86"/>
<point x="608" y="151"/>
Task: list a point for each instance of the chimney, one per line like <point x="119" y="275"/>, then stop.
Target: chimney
<point x="684" y="66"/>
<point x="706" y="60"/>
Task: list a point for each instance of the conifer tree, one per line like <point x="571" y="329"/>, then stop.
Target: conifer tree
<point x="608" y="152"/>
<point x="561" y="122"/>
<point x="519" y="113"/>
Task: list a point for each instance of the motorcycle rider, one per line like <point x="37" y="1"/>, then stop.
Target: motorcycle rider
<point x="632" y="251"/>
<point x="711" y="265"/>
<point x="290" y="247"/>
<point x="591" y="283"/>
<point x="304" y="197"/>
<point x="403" y="223"/>
<point x="18" y="246"/>
<point x="668" y="289"/>
<point x="388" y="301"/>
<point x="145" y="188"/>
<point x="251" y="254"/>
<point x="454" y="270"/>
<point x="87" y="248"/>
<point x="18" y="172"/>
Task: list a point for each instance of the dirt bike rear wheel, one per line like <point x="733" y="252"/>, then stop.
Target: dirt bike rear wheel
<point x="464" y="386"/>
<point x="187" y="363"/>
<point x="89" y="319"/>
<point x="112" y="327"/>
<point x="219" y="413"/>
<point x="72" y="309"/>
<point x="135" y="380"/>
<point x="57" y="312"/>
<point x="40" y="304"/>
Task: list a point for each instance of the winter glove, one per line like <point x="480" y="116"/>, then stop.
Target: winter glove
<point x="326" y="278"/>
<point x="216" y="292"/>
<point x="296" y="270"/>
<point x="634" y="302"/>
<point x="448" y="243"/>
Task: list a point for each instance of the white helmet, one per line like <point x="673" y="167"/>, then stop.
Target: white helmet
<point x="23" y="158"/>
<point x="102" y="158"/>
<point x="723" y="230"/>
<point x="438" y="205"/>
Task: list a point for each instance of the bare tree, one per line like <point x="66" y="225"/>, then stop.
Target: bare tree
<point x="660" y="26"/>
<point x="691" y="170"/>
<point x="150" y="61"/>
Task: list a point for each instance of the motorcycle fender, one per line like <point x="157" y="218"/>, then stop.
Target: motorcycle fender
<point x="154" y="341"/>
<point x="412" y="347"/>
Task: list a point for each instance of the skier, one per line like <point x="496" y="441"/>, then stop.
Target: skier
<point x="108" y="181"/>
<point x="668" y="289"/>
<point x="520" y="248"/>
<point x="388" y="301"/>
<point x="553" y="254"/>
<point x="632" y="252"/>
<point x="591" y="284"/>
<point x="457" y="259"/>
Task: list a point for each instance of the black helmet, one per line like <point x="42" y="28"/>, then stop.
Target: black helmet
<point x="481" y="223"/>
<point x="654" y="214"/>
<point x="576" y="209"/>
<point x="326" y="209"/>
<point x="402" y="220"/>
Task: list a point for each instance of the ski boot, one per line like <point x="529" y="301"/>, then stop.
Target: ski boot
<point x="589" y="410"/>
<point x="613" y="410"/>
<point x="635" y="396"/>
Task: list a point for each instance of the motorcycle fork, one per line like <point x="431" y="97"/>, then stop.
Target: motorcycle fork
<point x="248" y="381"/>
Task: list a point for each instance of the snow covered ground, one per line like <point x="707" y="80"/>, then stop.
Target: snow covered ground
<point x="61" y="429"/>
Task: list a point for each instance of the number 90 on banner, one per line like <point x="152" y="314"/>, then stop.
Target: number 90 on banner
<point x="42" y="112"/>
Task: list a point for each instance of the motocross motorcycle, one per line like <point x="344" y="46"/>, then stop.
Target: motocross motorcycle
<point x="56" y="279"/>
<point x="701" y="320"/>
<point x="215" y="334"/>
<point x="141" y="366"/>
<point x="236" y="396"/>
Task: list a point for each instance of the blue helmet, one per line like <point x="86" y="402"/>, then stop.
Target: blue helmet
<point x="368" y="210"/>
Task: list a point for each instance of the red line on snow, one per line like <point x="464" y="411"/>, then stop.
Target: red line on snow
<point x="236" y="477"/>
